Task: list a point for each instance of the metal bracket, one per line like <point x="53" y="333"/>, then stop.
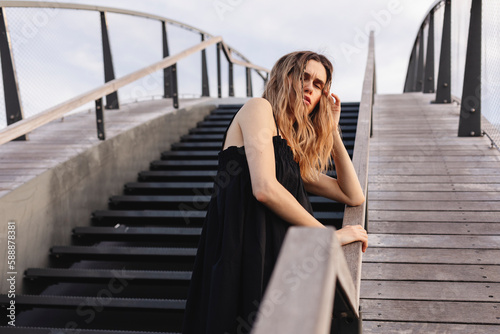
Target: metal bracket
<point x="99" y="119"/>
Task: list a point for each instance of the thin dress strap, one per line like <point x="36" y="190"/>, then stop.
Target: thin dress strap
<point x="277" y="129"/>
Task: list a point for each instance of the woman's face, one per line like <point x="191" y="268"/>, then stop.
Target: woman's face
<point x="314" y="84"/>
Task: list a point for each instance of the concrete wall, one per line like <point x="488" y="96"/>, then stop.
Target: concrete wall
<point x="46" y="208"/>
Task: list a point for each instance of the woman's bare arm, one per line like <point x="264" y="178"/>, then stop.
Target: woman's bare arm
<point x="346" y="188"/>
<point x="255" y="119"/>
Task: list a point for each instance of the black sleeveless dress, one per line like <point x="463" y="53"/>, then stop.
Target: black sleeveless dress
<point x="239" y="245"/>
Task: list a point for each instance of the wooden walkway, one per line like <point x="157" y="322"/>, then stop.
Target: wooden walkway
<point x="433" y="264"/>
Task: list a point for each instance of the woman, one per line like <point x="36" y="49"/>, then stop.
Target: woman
<point x="275" y="149"/>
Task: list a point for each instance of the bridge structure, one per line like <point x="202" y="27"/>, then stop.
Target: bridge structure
<point x="101" y="211"/>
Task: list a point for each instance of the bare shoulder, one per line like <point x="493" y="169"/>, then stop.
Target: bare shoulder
<point x="256" y="109"/>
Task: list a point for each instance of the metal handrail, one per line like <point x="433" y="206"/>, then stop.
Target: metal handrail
<point x="22" y="127"/>
<point x="29" y="124"/>
<point x="298" y="302"/>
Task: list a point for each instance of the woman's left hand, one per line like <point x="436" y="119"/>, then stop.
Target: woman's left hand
<point x="353" y="233"/>
<point x="334" y="102"/>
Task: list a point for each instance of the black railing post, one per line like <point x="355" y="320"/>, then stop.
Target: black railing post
<point x="205" y="89"/>
<point x="99" y="119"/>
<point x="443" y="91"/>
<point x="13" y="108"/>
<point x="412" y="70"/>
<point x="429" y="60"/>
<point x="219" y="77"/>
<point x="167" y="72"/>
<point x="231" y="79"/>
<point x="470" y="109"/>
<point x="109" y="72"/>
<point x="419" y="82"/>
<point x="249" y="82"/>
<point x="175" y="91"/>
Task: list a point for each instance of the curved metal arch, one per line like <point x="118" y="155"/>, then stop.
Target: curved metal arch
<point x="409" y="86"/>
<point x="63" y="5"/>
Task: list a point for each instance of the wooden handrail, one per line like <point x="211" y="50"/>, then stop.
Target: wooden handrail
<point x="357" y="215"/>
<point x="301" y="300"/>
<point x="29" y="124"/>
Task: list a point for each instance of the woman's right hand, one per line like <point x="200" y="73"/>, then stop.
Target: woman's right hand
<point x="353" y="233"/>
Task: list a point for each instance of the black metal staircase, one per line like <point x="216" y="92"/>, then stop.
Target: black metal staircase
<point x="130" y="270"/>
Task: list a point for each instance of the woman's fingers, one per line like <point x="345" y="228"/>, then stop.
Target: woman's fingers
<point x="353" y="233"/>
<point x="335" y="98"/>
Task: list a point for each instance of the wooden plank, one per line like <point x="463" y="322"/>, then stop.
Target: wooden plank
<point x="388" y="327"/>
<point x="430" y="272"/>
<point x="433" y="196"/>
<point x="442" y="291"/>
<point x="410" y="228"/>
<point x="410" y="151"/>
<point x="450" y="205"/>
<point x="432" y="256"/>
<point x="438" y="187"/>
<point x="430" y="170"/>
<point x="431" y="311"/>
<point x="436" y="158"/>
<point x="488" y="179"/>
<point x="416" y="165"/>
<point x="434" y="241"/>
<point x="435" y="216"/>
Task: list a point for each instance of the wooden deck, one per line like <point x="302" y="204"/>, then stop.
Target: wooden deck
<point x="433" y="264"/>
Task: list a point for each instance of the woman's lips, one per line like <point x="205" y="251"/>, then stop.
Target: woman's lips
<point x="307" y="100"/>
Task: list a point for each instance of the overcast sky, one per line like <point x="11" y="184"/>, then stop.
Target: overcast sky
<point x="262" y="30"/>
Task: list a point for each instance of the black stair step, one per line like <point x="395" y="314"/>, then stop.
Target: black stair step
<point x="196" y="202"/>
<point x="168" y="188"/>
<point x="197" y="155"/>
<point x="186" y="215"/>
<point x="213" y="145"/>
<point x="93" y="275"/>
<point x="178" y="176"/>
<point x="216" y="130"/>
<point x="144" y="254"/>
<point x="38" y="330"/>
<point x="202" y="137"/>
<point x="99" y="312"/>
<point x="28" y="301"/>
<point x="173" y="236"/>
<point x="157" y="202"/>
<point x="184" y="165"/>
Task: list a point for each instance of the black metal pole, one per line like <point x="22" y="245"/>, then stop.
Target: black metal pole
<point x="429" y="61"/>
<point x="419" y="82"/>
<point x="205" y="89"/>
<point x="249" y="82"/>
<point x="219" y="77"/>
<point x="167" y="72"/>
<point x="231" y="79"/>
<point x="412" y="70"/>
<point x="109" y="73"/>
<point x="443" y="92"/>
<point x="470" y="109"/>
<point x="13" y="108"/>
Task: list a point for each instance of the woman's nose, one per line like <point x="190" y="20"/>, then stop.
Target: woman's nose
<point x="307" y="86"/>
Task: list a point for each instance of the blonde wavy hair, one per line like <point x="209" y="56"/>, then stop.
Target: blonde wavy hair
<point x="310" y="136"/>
